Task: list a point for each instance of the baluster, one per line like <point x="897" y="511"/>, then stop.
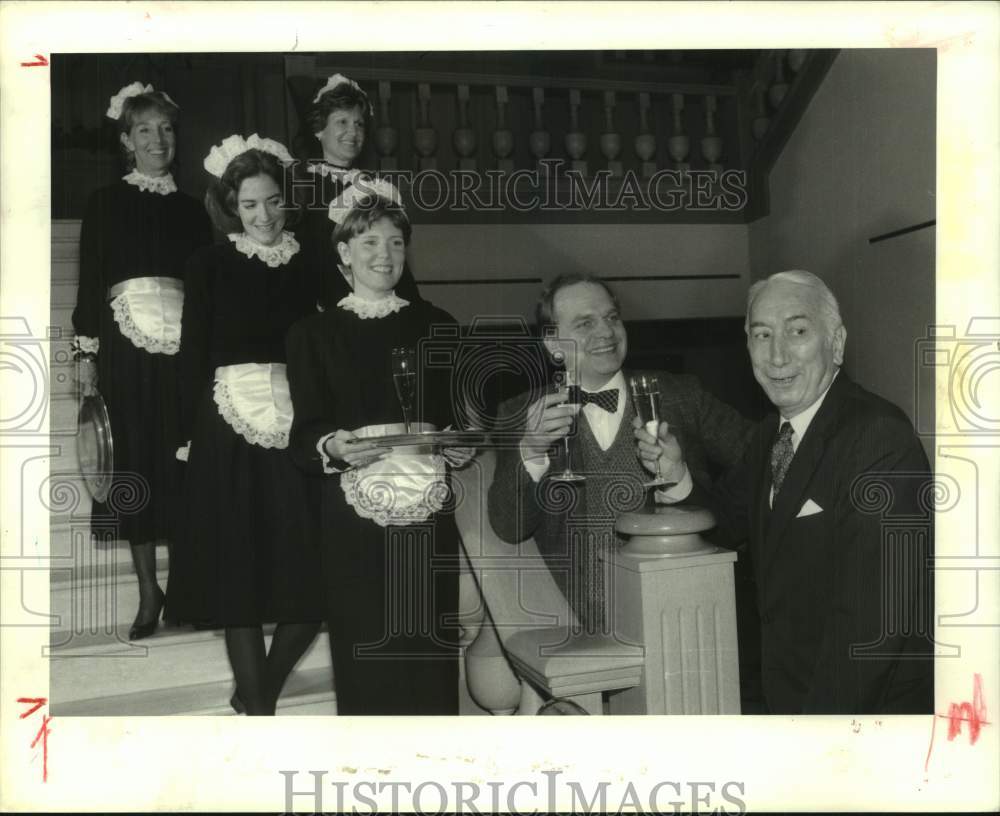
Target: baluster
<point x="779" y="88"/>
<point x="425" y="137"/>
<point x="539" y="141"/>
<point x="678" y="145"/>
<point x="645" y="142"/>
<point x="464" y="138"/>
<point x="711" y="142"/>
<point x="386" y="137"/>
<point x="761" y="122"/>
<point x="503" y="139"/>
<point x="576" y="140"/>
<point x="611" y="140"/>
<point x="796" y="59"/>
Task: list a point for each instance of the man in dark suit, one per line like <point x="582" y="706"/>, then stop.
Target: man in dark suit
<point x="832" y="495"/>
<point x="573" y="522"/>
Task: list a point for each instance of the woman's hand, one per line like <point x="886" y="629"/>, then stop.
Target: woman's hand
<point x="86" y="376"/>
<point x="344" y="446"/>
<point x="663" y="447"/>
<point x="458" y="457"/>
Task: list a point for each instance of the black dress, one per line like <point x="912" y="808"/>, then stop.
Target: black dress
<point x="314" y="192"/>
<point x="129" y="233"/>
<point x="391" y="592"/>
<point x="249" y="552"/>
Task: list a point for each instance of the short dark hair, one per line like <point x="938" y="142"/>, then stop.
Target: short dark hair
<point x="545" y="308"/>
<point x="134" y="107"/>
<point x="222" y="193"/>
<point x="342" y="97"/>
<point x="365" y="213"/>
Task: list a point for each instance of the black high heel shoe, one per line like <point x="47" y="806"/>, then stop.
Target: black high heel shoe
<point x="138" y="631"/>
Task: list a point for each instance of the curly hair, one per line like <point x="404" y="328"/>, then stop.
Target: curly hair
<point x="343" y="97"/>
<point x="221" y="196"/>
<point x="136" y="106"/>
<point x="366" y="213"/>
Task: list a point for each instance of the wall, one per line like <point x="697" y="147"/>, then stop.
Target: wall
<point x="861" y="163"/>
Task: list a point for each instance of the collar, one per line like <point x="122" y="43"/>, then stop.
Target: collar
<point x="274" y="256"/>
<point x="346" y="174"/>
<point x="372" y="309"/>
<point x="617" y="381"/>
<point x="162" y="185"/>
<point x="801" y="421"/>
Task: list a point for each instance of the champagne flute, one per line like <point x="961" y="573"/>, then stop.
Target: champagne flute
<point x="646" y="399"/>
<point x="572" y="398"/>
<point x="404" y="377"/>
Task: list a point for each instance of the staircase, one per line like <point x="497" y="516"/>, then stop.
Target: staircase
<point x="94" y="670"/>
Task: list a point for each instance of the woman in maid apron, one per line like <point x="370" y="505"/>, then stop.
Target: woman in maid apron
<point x="337" y="120"/>
<point x="389" y="542"/>
<point x="249" y="555"/>
<point x="134" y="241"/>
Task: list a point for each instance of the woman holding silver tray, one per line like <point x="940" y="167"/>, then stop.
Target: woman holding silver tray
<point x="390" y="546"/>
<point x="248" y="556"/>
<point x="134" y="241"/>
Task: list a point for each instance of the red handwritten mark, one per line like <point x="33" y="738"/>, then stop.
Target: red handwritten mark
<point x="40" y="62"/>
<point x="43" y="732"/>
<point x="973" y="713"/>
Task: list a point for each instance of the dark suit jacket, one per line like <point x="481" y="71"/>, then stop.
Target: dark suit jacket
<point x="855" y="573"/>
<point x="708" y="430"/>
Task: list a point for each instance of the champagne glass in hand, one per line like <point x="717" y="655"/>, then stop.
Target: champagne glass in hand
<point x="646" y="399"/>
<point x="572" y="398"/>
<point x="404" y="377"/>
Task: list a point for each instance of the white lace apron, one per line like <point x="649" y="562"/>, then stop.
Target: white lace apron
<point x="405" y="487"/>
<point x="148" y="312"/>
<point x="254" y="400"/>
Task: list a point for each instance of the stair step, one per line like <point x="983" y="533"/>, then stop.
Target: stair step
<point x="171" y="658"/>
<point x="90" y="556"/>
<point x="306" y="692"/>
<point x="100" y="598"/>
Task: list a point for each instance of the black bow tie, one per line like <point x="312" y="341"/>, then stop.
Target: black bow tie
<point x="607" y="399"/>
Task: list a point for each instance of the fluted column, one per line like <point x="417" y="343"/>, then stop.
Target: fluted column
<point x="678" y="144"/>
<point x="576" y="140"/>
<point x="503" y="138"/>
<point x="386" y="137"/>
<point x="425" y="137"/>
<point x="611" y="140"/>
<point x="464" y="138"/>
<point x="540" y="141"/>
<point x="645" y="142"/>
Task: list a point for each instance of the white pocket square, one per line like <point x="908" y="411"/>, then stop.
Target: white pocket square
<point x="810" y="508"/>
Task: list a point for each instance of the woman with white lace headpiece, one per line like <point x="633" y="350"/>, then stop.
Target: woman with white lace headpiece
<point x="336" y="123"/>
<point x="389" y="540"/>
<point x="135" y="238"/>
<point x="249" y="556"/>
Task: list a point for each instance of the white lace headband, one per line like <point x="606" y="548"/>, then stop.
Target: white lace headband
<point x="220" y="155"/>
<point x="339" y="79"/>
<point x="362" y="189"/>
<point x="114" y="110"/>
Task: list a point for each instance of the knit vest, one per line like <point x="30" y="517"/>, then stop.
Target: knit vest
<point x="613" y="486"/>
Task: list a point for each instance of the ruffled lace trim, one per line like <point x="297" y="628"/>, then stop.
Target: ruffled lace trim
<point x="162" y="185"/>
<point x="85" y="345"/>
<point x="372" y="309"/>
<point x="274" y="256"/>
<point x="380" y="501"/>
<point x="123" y="317"/>
<point x="344" y="174"/>
<point x="255" y="436"/>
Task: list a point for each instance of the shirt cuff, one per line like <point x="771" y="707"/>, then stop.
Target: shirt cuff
<point x="325" y="458"/>
<point x="184" y="452"/>
<point x="678" y="492"/>
<point x="537" y="467"/>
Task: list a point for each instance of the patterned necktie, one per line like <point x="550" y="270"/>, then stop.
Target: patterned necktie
<point x="608" y="400"/>
<point x="781" y="456"/>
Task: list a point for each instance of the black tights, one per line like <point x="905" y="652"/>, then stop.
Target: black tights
<point x="260" y="674"/>
<point x="150" y="594"/>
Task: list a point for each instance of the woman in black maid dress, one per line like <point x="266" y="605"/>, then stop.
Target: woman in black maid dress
<point x="249" y="554"/>
<point x="134" y="241"/>
<point x="336" y="125"/>
<point x="390" y="546"/>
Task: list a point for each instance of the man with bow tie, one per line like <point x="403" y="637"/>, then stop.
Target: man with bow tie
<point x="833" y="493"/>
<point x="573" y="522"/>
